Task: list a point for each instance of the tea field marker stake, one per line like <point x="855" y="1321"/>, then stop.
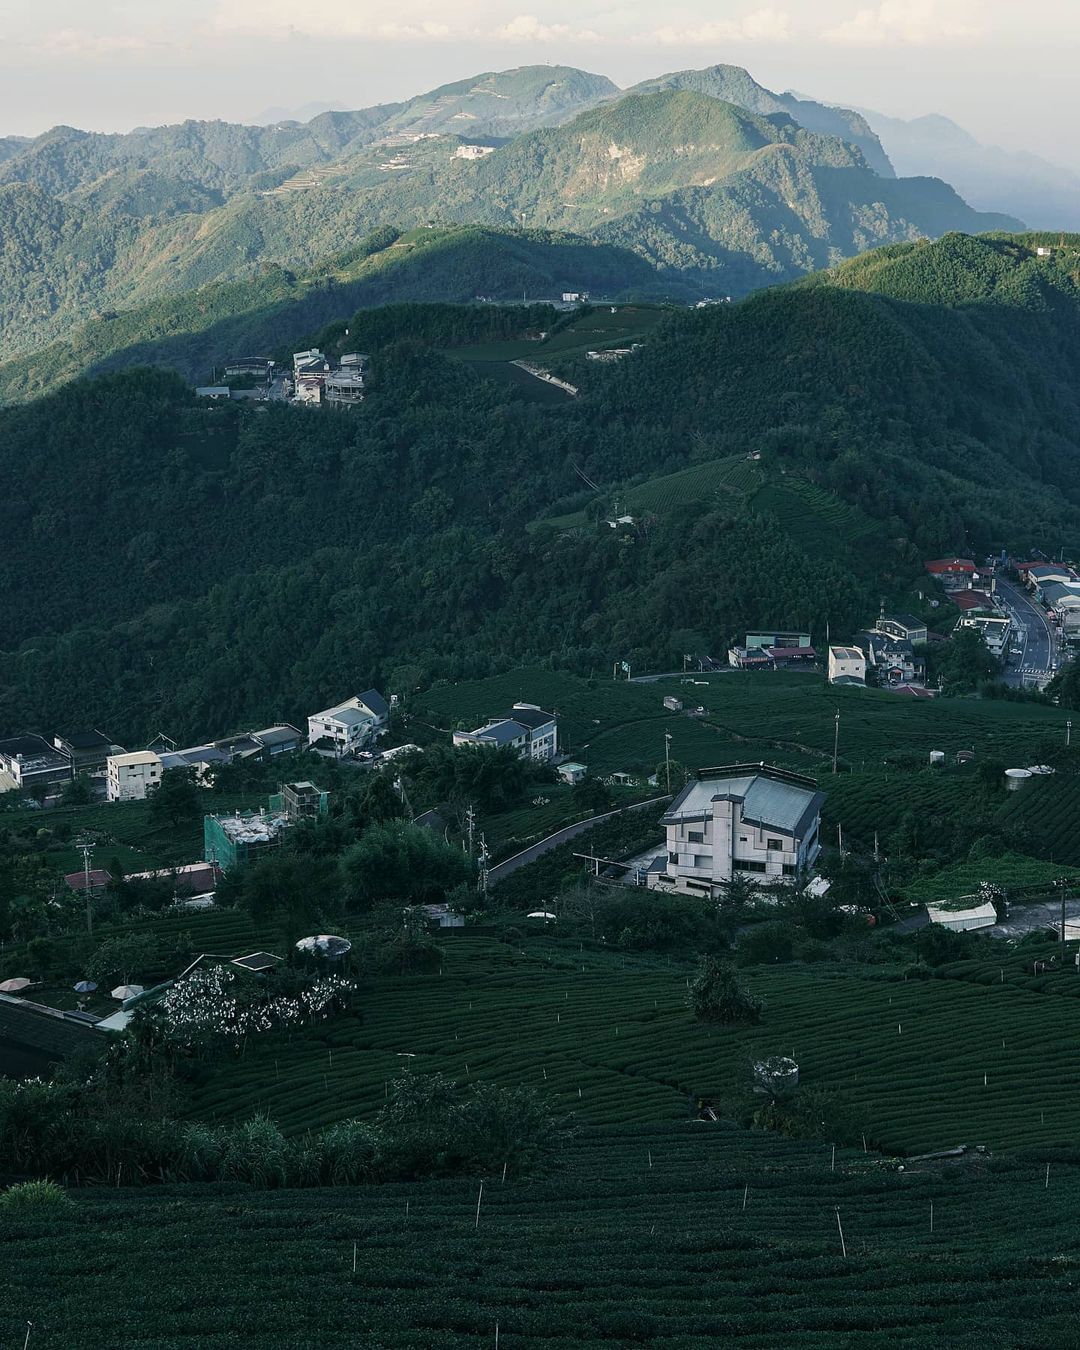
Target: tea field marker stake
<point x="864" y="1148"/>
<point x="833" y="1168"/>
<point x="650" y="1158"/>
<point x="984" y="1080"/>
<point x="840" y="1226"/>
<point x="505" y="1165"/>
<point x="1046" y="1183"/>
<point x="931" y="1216"/>
<point x="579" y="1094"/>
<point x="354" y="1258"/>
<point x="406" y="1211"/>
<point x="745" y="1193"/>
<point x="29" y="1328"/>
<point x="496" y="1336"/>
<point x="478" y="1200"/>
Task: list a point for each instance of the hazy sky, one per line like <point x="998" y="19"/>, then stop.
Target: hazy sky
<point x="1005" y="71"/>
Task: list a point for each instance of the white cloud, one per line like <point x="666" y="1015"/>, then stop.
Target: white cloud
<point x="80" y="45"/>
<point x="284" y="19"/>
<point x="763" y="25"/>
<point x="528" y="28"/>
<point x="908" y="23"/>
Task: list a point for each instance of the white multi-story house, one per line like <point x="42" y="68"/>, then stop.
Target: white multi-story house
<point x="746" y="820"/>
<point x="129" y="778"/>
<point x="847" y="665"/>
<point x="348" y="727"/>
<point x="532" y="732"/>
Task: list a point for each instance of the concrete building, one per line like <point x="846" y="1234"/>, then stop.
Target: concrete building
<point x="1062" y="598"/>
<point x="745" y="820"/>
<point x="280" y="740"/>
<point x="532" y="732"/>
<point x="129" y="778"/>
<point x="344" y="388"/>
<point x="87" y="750"/>
<point x="571" y="772"/>
<point x="893" y="659"/>
<point x="847" y="665"/>
<point x="235" y="841"/>
<point x="996" y="631"/>
<point x="348" y="727"/>
<point x="32" y="763"/>
<point x="758" y="641"/>
<point x="902" y="627"/>
<point x="300" y="801"/>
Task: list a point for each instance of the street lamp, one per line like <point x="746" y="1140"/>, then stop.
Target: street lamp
<point x="667" y="759"/>
<point x="1068" y="731"/>
<point x="836" y="740"/>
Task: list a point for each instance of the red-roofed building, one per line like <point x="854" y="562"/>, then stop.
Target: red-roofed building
<point x="791" y="656"/>
<point x="99" y="880"/>
<point x="973" y="602"/>
<point x="954" y="573"/>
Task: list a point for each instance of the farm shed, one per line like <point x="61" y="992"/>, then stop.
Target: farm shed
<point x="962" y="915"/>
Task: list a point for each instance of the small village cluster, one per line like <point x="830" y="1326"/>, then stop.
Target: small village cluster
<point x="315" y="380"/>
<point x="890" y="648"/>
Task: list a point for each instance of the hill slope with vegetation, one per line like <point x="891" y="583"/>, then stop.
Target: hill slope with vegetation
<point x="277" y="310"/>
<point x="93" y="223"/>
<point x="891" y="426"/>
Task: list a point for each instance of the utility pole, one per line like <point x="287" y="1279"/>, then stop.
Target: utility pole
<point x="836" y="740"/>
<point x="482" y="880"/>
<point x="1068" y="732"/>
<point x="470" y="825"/>
<point x="1062" y="884"/>
<point x="667" y="759"/>
<point x="88" y="852"/>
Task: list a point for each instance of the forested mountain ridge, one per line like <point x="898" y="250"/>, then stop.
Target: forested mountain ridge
<point x="733" y="84"/>
<point x="914" y="402"/>
<point x="99" y="223"/>
<point x="277" y="310"/>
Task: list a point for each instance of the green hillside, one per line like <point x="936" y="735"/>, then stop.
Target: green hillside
<point x="889" y="430"/>
<point x="722" y="198"/>
<point x="735" y="85"/>
<point x="194" y="332"/>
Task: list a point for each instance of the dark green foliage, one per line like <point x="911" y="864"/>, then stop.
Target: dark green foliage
<point x="176" y="797"/>
<point x="400" y="862"/>
<point x="715" y="995"/>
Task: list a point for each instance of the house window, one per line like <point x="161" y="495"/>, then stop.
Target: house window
<point x="673" y="858"/>
<point x="696" y="837"/>
<point x="750" y="866"/>
<point x="744" y="839"/>
<point x="774" y="843"/>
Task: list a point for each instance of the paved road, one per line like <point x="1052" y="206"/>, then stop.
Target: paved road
<point x="1039" y="639"/>
<point x="568" y="832"/>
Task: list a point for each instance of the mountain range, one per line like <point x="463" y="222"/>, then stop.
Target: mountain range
<point x="720" y="184"/>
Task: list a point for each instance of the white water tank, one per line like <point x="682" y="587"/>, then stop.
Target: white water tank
<point x="937" y="757"/>
<point x="1016" y="778"/>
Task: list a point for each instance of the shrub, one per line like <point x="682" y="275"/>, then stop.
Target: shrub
<point x="715" y="995"/>
<point x="33" y="1197"/>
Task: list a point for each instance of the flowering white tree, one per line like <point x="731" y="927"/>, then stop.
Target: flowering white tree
<point x="217" y="1001"/>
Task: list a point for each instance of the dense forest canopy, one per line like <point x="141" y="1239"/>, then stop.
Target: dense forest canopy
<point x="173" y="566"/>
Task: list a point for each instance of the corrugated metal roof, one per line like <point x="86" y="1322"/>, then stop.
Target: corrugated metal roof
<point x="765" y="801"/>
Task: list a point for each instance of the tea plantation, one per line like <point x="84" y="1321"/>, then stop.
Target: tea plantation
<point x="688" y="1235"/>
<point x="924" y="1064"/>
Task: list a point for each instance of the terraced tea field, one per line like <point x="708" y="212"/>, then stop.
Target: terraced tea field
<point x="687" y="1236"/>
<point x="611" y="1040"/>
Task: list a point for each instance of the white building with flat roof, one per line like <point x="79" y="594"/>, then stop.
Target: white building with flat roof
<point x="847" y="665"/>
<point x="129" y="778"/>
<point x="748" y="820"/>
